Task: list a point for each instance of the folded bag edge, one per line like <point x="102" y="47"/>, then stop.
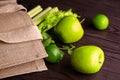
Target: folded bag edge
<point x="7" y="39"/>
<point x="25" y="68"/>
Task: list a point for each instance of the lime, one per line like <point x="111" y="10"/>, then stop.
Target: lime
<point x="69" y="29"/>
<point x="54" y="53"/>
<point x="100" y="21"/>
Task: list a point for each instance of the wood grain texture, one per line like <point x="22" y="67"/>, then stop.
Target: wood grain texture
<point x="108" y="40"/>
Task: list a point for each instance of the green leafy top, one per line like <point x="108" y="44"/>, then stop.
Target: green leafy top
<point x="53" y="17"/>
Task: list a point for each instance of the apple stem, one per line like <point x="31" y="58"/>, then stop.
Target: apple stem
<point x="82" y="20"/>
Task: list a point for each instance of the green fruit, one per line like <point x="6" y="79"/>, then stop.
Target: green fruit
<point x="54" y="53"/>
<point x="69" y="29"/>
<point x="87" y="59"/>
<point x="100" y="21"/>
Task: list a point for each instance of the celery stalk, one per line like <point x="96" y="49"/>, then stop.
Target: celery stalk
<point x="48" y="18"/>
<point x="38" y="18"/>
<point x="51" y="18"/>
<point x="35" y="11"/>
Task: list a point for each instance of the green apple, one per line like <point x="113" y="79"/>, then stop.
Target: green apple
<point x="69" y="29"/>
<point x="87" y="59"/>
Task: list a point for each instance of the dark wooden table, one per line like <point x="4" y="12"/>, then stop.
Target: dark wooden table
<point x="108" y="40"/>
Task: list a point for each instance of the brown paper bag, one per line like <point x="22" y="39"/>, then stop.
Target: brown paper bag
<point x="3" y="2"/>
<point x="33" y="66"/>
<point x="20" y="42"/>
